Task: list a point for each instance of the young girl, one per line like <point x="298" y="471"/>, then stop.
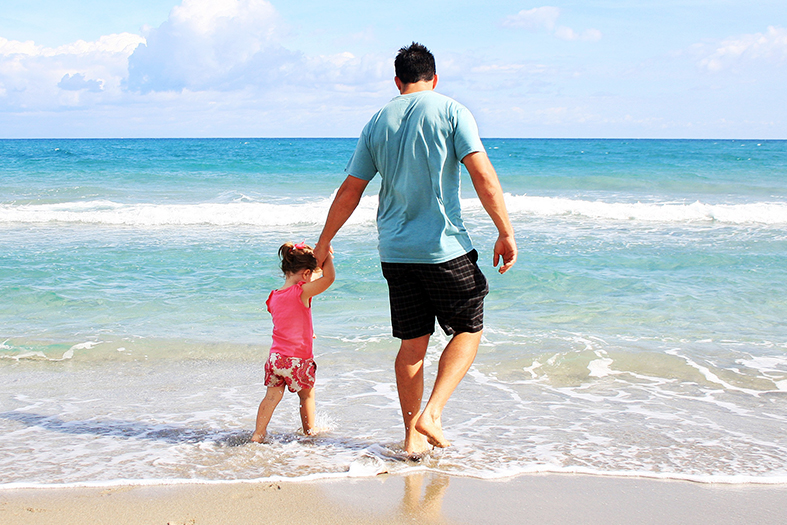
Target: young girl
<point x="291" y="361"/>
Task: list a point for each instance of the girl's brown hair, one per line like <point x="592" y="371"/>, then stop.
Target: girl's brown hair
<point x="296" y="257"/>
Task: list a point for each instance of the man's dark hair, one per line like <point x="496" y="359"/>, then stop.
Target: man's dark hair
<point x="414" y="63"/>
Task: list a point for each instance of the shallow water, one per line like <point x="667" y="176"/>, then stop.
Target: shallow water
<point x="641" y="332"/>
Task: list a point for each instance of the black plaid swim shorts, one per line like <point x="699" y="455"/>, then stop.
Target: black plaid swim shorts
<point x="453" y="292"/>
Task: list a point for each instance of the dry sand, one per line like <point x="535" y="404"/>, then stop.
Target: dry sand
<point x="426" y="497"/>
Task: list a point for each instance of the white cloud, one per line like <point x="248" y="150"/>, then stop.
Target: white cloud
<point x="229" y="45"/>
<point x="209" y="17"/>
<point x="545" y="18"/>
<point x="534" y="19"/>
<point x="13" y="47"/>
<point x="210" y="43"/>
<point x="770" y="46"/>
<point x="122" y="44"/>
<point x="34" y="77"/>
<point x="589" y="35"/>
<point x="212" y="46"/>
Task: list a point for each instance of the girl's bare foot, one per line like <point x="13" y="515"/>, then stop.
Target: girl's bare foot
<point x="433" y="430"/>
<point x="315" y="431"/>
<point x="257" y="437"/>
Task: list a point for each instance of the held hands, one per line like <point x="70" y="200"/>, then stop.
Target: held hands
<point x="321" y="252"/>
<point x="505" y="247"/>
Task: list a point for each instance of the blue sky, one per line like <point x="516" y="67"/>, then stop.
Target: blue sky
<point x="303" y="68"/>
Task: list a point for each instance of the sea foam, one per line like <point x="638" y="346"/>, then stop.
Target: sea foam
<point x="104" y="212"/>
<point x="670" y="212"/>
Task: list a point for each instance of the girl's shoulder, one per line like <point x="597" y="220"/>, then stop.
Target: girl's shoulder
<point x="294" y="290"/>
<point x="289" y="289"/>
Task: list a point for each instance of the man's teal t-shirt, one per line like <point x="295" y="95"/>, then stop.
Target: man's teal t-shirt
<point x="416" y="143"/>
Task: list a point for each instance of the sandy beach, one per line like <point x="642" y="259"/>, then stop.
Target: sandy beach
<point x="425" y="497"/>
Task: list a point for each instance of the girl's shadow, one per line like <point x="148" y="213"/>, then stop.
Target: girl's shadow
<point x="131" y="429"/>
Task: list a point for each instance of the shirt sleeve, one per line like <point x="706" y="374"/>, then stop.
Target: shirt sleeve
<point x="268" y="302"/>
<point x="361" y="164"/>
<point x="466" y="138"/>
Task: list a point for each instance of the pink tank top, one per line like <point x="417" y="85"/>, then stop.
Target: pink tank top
<point x="293" y="332"/>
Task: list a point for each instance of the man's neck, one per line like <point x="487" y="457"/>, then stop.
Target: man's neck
<point x="415" y="87"/>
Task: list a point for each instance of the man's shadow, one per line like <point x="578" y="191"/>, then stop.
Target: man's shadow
<point x="130" y="429"/>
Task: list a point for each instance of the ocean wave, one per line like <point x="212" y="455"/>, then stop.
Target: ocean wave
<point x="126" y="349"/>
<point x="245" y="213"/>
<point x="669" y="212"/>
<point x="103" y="212"/>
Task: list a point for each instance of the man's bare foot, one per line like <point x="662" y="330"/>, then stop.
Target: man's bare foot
<point x="257" y="438"/>
<point x="433" y="430"/>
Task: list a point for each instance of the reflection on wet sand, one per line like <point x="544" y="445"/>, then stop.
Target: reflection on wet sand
<point x="424" y="505"/>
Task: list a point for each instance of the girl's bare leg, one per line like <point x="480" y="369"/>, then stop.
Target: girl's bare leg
<point x="264" y="413"/>
<point x="307" y="409"/>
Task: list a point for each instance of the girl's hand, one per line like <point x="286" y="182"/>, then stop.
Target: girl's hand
<point x="320" y="284"/>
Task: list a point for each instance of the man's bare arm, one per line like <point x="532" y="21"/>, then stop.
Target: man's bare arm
<point x="347" y="198"/>
<point x="489" y="191"/>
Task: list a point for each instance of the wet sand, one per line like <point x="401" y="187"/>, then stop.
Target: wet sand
<point x="425" y="497"/>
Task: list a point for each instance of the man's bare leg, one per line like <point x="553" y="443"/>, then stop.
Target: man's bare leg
<point x="410" y="385"/>
<point x="455" y="361"/>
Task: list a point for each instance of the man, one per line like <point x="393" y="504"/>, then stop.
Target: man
<point x="416" y="143"/>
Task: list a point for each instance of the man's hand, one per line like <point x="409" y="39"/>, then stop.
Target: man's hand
<point x="487" y="186"/>
<point x="505" y="247"/>
<point x="321" y="252"/>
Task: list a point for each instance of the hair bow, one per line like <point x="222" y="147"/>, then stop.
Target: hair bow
<point x="300" y="246"/>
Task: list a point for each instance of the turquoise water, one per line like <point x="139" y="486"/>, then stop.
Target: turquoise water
<point x="641" y="332"/>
